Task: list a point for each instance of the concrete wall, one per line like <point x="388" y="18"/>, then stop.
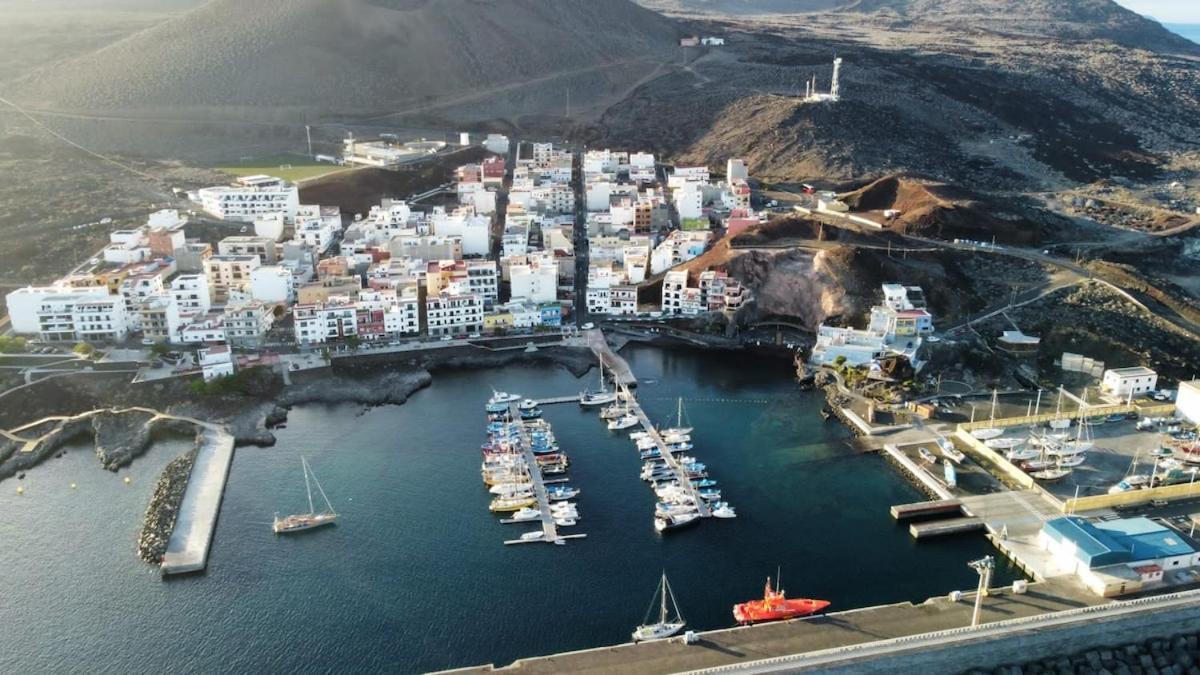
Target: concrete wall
<point x="1025" y="645"/>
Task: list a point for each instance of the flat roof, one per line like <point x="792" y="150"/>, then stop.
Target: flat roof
<point x="1132" y="370"/>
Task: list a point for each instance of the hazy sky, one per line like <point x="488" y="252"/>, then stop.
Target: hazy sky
<point x="1169" y="11"/>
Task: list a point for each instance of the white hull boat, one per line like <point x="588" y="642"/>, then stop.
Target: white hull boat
<point x="667" y="625"/>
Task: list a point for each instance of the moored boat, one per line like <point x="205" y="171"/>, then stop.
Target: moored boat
<point x="312" y="519"/>
<point x="664" y="522"/>
<point x="927" y="455"/>
<point x="666" y="626"/>
<point x="775" y="606"/>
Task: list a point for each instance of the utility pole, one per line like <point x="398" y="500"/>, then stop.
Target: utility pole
<point x="308" y="135"/>
<point x="984" y="567"/>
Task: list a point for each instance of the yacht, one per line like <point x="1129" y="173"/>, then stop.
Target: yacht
<point x="527" y="514"/>
<point x="601" y="397"/>
<point x="679" y="429"/>
<point x="500" y="397"/>
<point x="533" y="536"/>
<point x="663" y="522"/>
<point x="528" y="404"/>
<point x="312" y="519"/>
<point x="723" y="510"/>
<point x="623" y="422"/>
<point x="666" y="626"/>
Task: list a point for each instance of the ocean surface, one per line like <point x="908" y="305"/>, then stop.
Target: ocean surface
<point x="1190" y="31"/>
<point x="415" y="577"/>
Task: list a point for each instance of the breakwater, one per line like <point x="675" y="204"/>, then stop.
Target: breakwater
<point x="1166" y="656"/>
<point x="163" y="509"/>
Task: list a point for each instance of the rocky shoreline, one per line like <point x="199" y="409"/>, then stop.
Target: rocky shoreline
<point x="163" y="508"/>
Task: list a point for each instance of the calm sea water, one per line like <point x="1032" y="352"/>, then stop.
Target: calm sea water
<point x="1189" y="31"/>
<point x="415" y="577"/>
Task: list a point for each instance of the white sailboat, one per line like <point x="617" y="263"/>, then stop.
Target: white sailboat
<point x="666" y="626"/>
<point x="601" y="397"/>
<point x="990" y="433"/>
<point x="306" y="521"/>
<point x="679" y="429"/>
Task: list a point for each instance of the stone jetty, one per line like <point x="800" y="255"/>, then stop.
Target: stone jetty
<point x="1165" y="656"/>
<point x="164" y="508"/>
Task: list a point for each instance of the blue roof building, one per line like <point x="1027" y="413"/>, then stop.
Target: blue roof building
<point x="1129" y="540"/>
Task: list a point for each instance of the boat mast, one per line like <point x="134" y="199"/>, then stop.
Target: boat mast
<point x="679" y="414"/>
<point x="662" y="615"/>
<point x="323" y="496"/>
<point x="307" y="487"/>
<point x="674" y="602"/>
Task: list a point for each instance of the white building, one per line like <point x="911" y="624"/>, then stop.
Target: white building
<point x="204" y="329"/>
<point x="536" y="281"/>
<point x="689" y="200"/>
<point x="673" y="287"/>
<point x="227" y="272"/>
<point x="496" y="143"/>
<point x="247" y="323"/>
<point x="454" y="312"/>
<point x="252" y="197"/>
<point x="272" y="285"/>
<point x="897" y="326"/>
<point x="1125" y="383"/>
<point x="270" y="226"/>
<point x="160" y="318"/>
<point x="59" y="314"/>
<point x="191" y="294"/>
<point x="215" y="361"/>
<point x="679" y="247"/>
<point x="1187" y="402"/>
<point x="735" y="169"/>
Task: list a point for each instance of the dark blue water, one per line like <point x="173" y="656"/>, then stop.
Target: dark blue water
<point x="1190" y="31"/>
<point x="415" y="577"/>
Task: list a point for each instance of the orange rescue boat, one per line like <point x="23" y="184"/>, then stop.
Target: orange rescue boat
<point x="775" y="607"/>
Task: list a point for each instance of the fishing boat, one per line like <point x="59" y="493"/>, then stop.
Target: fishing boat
<point x="666" y="626"/>
<point x="527" y="513"/>
<point x="950" y="452"/>
<point x="564" y="521"/>
<point x="1020" y="455"/>
<point x="775" y="606"/>
<point x="639" y="436"/>
<point x="706" y="482"/>
<point x="723" y="510"/>
<point x="927" y="455"/>
<point x="560" y="492"/>
<point x="1162" y="452"/>
<point x="663" y="522"/>
<point x="682" y="446"/>
<point x="500" y="397"/>
<point x="500" y="504"/>
<point x="533" y="536"/>
<point x="312" y="519"/>
<point x="1129" y="483"/>
<point x="1006" y="443"/>
<point x="601" y="397"/>
<point x="623" y="422"/>
<point x="987" y="434"/>
<point x="679" y="429"/>
<point x="1051" y="475"/>
<point x="1072" y="461"/>
<point x="534" y="414"/>
<point x="950" y="474"/>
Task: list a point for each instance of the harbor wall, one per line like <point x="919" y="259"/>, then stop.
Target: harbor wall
<point x="1093" y="411"/>
<point x="1017" y="645"/>
<point x="1132" y="497"/>
<point x="977" y="447"/>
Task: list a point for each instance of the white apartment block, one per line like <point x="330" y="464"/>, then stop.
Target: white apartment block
<point x="536" y="281"/>
<point x="58" y="314"/>
<point x="191" y="294"/>
<point x="247" y="323"/>
<point x="126" y="247"/>
<point x="204" y="329"/>
<point x="263" y="247"/>
<point x="454" y="312"/>
<point x="226" y="272"/>
<point x="623" y="300"/>
<point x="319" y="323"/>
<point x="252" y="197"/>
<point x="736" y="169"/>
<point x="136" y="289"/>
<point x="599" y="195"/>
<point x="160" y="318"/>
<point x="673" y="287"/>
<point x="687" y="174"/>
<point x="679" y="247"/>
<point x="272" y="285"/>
<point x="689" y="200"/>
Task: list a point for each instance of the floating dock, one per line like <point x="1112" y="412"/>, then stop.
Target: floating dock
<point x="938" y="528"/>
<point x="668" y="457"/>
<point x="187" y="550"/>
<point x="557" y="400"/>
<point x="941" y="507"/>
<point x="550" y="533"/>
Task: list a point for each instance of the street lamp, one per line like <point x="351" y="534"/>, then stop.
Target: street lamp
<point x="984" y="567"/>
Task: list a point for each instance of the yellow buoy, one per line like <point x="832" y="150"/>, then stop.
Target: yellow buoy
<point x="72" y="486"/>
<point x="20" y="490"/>
<point x="128" y="480"/>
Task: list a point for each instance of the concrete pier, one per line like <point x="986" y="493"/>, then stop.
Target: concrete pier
<point x="669" y="458"/>
<point x="941" y="507"/>
<point x="616" y="366"/>
<point x="187" y="550"/>
<point x="938" y="528"/>
<point x="922" y="476"/>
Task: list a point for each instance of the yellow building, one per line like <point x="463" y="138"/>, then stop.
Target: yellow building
<point x="498" y="322"/>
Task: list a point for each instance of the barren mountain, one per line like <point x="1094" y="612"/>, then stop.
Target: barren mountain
<point x="357" y="57"/>
<point x="1065" y="19"/>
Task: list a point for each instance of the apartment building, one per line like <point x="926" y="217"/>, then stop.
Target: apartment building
<point x="263" y="247"/>
<point x="226" y="272"/>
<point x="161" y="320"/>
<point x="250" y="198"/>
<point x="247" y="323"/>
<point x="191" y="294"/>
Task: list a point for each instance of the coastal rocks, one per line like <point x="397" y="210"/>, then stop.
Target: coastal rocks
<point x="383" y="388"/>
<point x="1177" y="654"/>
<point x="121" y="436"/>
<point x="159" y="522"/>
<point x="46" y="446"/>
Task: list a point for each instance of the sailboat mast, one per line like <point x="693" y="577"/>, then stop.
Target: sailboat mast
<point x="307" y="487"/>
<point x="679" y="414"/>
<point x="662" y="615"/>
<point x="322" y="491"/>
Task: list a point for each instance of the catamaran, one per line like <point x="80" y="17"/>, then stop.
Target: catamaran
<point x="665" y="626"/>
<point x="306" y="521"/>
